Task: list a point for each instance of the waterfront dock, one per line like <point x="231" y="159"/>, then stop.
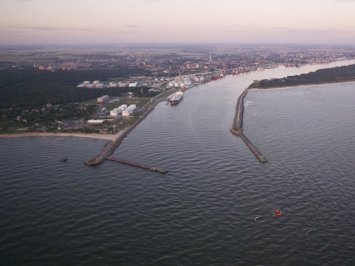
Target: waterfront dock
<point x="237" y="128"/>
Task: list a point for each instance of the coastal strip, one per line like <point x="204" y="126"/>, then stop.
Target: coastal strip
<point x="237" y="128"/>
<point x="321" y="76"/>
<point x="62" y="134"/>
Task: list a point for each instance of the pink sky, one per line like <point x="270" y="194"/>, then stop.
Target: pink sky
<point x="195" y="21"/>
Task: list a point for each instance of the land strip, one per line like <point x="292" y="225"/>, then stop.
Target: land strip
<point x="321" y="76"/>
<point x="76" y="135"/>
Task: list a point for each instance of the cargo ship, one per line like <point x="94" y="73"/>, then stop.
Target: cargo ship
<point x="175" y="98"/>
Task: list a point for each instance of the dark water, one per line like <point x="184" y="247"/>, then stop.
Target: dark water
<point x="202" y="212"/>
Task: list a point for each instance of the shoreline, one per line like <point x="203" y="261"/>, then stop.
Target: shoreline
<point x="74" y="135"/>
<point x="109" y="137"/>
<point x="299" y="85"/>
<point x="112" y="137"/>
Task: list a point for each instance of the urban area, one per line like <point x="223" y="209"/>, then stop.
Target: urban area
<point x="104" y="90"/>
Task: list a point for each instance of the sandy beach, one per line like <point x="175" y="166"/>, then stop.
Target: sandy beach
<point x="76" y="135"/>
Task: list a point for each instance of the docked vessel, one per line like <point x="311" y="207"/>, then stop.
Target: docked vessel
<point x="175" y="98"/>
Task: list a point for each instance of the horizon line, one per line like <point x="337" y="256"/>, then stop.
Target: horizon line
<point x="178" y="44"/>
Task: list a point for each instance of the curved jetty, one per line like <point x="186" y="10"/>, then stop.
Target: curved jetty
<point x="237" y="128"/>
<point x="239" y="111"/>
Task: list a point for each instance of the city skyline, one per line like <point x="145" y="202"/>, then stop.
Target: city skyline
<point x="164" y="21"/>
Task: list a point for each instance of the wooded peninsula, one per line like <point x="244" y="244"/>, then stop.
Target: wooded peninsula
<point x="322" y="76"/>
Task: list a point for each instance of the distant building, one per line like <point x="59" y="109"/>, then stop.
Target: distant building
<point x="82" y="85"/>
<point x="114" y="113"/>
<point x="112" y="84"/>
<point x="122" y="84"/>
<point x="103" y="99"/>
<point x="133" y="84"/>
<point x="96" y="121"/>
<point x="99" y="86"/>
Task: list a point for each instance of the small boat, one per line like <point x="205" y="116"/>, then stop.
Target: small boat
<point x="64" y="160"/>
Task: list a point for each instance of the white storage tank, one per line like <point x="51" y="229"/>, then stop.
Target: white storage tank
<point x="123" y="107"/>
<point x="114" y="113"/>
<point x="125" y="113"/>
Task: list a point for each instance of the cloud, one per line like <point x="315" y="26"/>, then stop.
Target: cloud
<point x="289" y="30"/>
<point x="46" y="31"/>
<point x="45" y="28"/>
<point x="315" y="31"/>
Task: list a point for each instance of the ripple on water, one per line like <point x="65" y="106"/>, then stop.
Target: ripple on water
<point x="203" y="211"/>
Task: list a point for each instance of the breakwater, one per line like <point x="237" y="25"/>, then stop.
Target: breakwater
<point x="239" y="113"/>
<point x="139" y="165"/>
<point x="111" y="146"/>
<point x="237" y="128"/>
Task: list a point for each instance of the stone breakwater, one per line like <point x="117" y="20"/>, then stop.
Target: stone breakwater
<point x="237" y="128"/>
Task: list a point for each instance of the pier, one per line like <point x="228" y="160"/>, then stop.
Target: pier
<point x="139" y="165"/>
<point x="237" y="128"/>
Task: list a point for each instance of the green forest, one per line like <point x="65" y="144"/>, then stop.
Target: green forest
<point x="30" y="87"/>
<point x="328" y="75"/>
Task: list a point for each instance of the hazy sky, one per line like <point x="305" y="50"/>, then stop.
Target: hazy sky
<point x="196" y="21"/>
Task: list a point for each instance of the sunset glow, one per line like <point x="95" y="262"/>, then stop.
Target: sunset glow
<point x="166" y="21"/>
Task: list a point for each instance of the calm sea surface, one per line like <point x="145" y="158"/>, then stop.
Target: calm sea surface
<point x="214" y="205"/>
